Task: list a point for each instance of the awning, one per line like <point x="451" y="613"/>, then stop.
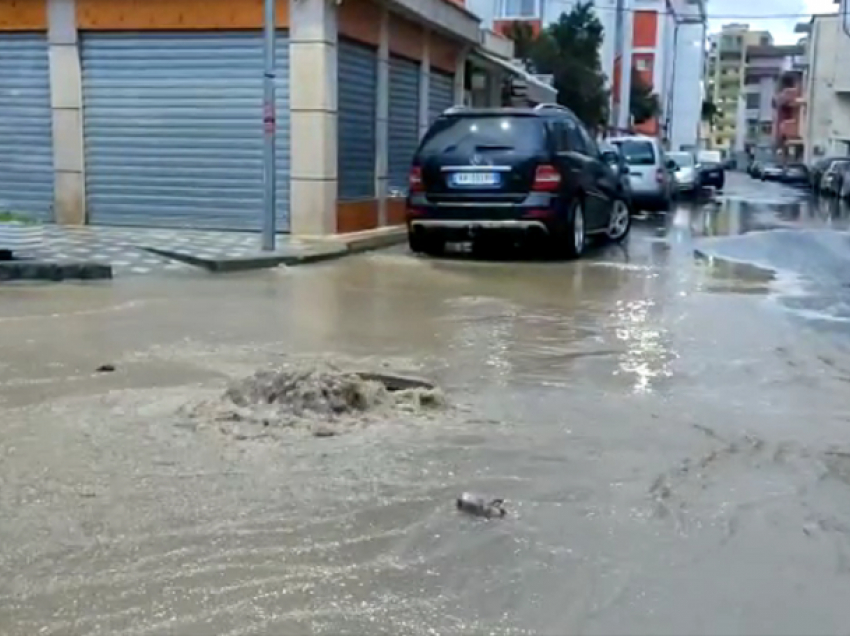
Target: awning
<point x="538" y="91"/>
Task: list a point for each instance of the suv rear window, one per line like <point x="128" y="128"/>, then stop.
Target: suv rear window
<point x="637" y="153"/>
<point x="487" y="132"/>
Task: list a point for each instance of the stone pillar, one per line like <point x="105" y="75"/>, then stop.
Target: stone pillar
<point x="425" y="84"/>
<point x="66" y="103"/>
<point x="382" y="118"/>
<point x="313" y="116"/>
<point x="460" y="77"/>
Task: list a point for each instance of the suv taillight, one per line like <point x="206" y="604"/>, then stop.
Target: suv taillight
<point x="659" y="176"/>
<point x="414" y="179"/>
<point x="546" y="179"/>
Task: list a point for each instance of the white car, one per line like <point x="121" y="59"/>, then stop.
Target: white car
<point x="687" y="171"/>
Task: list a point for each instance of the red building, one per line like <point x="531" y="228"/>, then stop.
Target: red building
<point x="787" y="115"/>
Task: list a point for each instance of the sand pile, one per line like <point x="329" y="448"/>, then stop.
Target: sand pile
<point x="321" y="398"/>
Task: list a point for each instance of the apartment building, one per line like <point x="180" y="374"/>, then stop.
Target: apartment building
<point x="769" y="70"/>
<point x="825" y="98"/>
<point x="724" y="80"/>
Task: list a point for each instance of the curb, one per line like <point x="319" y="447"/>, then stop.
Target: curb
<point x="315" y="251"/>
<point x="53" y="271"/>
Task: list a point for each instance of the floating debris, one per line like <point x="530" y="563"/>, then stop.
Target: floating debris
<point x="480" y="506"/>
<point x="105" y="368"/>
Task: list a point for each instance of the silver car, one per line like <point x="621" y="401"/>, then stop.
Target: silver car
<point x="651" y="173"/>
<point x="687" y="171"/>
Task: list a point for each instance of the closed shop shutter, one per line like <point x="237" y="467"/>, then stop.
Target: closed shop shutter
<point x="357" y="78"/>
<point x="173" y="128"/>
<point x="403" y="120"/>
<point x="26" y="126"/>
<point x="441" y="93"/>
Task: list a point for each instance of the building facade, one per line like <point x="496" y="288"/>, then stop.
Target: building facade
<point x="766" y="69"/>
<point x="119" y="112"/>
<point x="725" y="79"/>
<point x="825" y="99"/>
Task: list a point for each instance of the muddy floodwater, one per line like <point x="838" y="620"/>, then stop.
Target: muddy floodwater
<point x="668" y="424"/>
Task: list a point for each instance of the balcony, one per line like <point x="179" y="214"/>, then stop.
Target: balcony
<point x="788" y="129"/>
<point x="788" y="96"/>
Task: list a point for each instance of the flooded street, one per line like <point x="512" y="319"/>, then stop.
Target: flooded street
<point x="667" y="422"/>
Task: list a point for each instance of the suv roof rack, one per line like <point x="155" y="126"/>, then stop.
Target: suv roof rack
<point x="550" y="106"/>
<point x="454" y="109"/>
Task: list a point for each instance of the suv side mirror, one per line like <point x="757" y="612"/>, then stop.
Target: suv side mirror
<point x="610" y="158"/>
<point x="672" y="165"/>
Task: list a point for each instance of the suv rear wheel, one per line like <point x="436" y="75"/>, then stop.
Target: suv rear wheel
<point x="574" y="238"/>
<point x="621" y="221"/>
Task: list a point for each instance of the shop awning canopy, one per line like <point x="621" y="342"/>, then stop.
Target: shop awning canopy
<point x="538" y="91"/>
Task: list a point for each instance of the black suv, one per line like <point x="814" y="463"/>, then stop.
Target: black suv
<point x="533" y="173"/>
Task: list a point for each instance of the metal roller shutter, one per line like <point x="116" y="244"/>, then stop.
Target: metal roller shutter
<point x="441" y="93"/>
<point x="357" y="79"/>
<point x="26" y="126"/>
<point x="173" y="128"/>
<point x="403" y="120"/>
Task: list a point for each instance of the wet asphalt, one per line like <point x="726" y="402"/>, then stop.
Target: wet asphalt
<point x="666" y="420"/>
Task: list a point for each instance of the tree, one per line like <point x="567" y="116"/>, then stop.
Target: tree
<point x="569" y="51"/>
<point x="709" y="112"/>
<point x="524" y="41"/>
<point x="643" y="103"/>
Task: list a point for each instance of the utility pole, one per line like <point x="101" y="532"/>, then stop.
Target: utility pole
<point x="625" y="114"/>
<point x="844" y="12"/>
<point x="269" y="128"/>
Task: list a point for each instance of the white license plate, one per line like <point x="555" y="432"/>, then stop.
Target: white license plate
<point x="475" y="179"/>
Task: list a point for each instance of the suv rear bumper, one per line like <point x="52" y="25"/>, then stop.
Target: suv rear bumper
<point x="473" y="224"/>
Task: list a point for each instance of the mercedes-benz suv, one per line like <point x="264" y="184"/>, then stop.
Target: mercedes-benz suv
<point x="528" y="173"/>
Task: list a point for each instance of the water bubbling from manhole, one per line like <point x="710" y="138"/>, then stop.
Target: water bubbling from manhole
<point x="318" y="397"/>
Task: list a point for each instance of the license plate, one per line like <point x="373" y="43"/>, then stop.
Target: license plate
<point x="466" y="179"/>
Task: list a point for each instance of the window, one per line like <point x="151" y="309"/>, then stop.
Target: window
<point x="642" y="65"/>
<point x="518" y="9"/>
<point x="575" y="140"/>
<point x="483" y="133"/>
<point x="753" y="100"/>
<point x="590" y="146"/>
<point x="559" y="136"/>
<point x="636" y="152"/>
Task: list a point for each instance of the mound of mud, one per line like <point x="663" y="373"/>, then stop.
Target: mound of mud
<point x="320" y="398"/>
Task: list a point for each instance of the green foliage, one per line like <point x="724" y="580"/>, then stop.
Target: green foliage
<point x="16" y="219"/>
<point x="569" y="51"/>
<point x="643" y="103"/>
<point x="709" y="111"/>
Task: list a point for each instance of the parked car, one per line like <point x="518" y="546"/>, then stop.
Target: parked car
<point x="817" y="170"/>
<point x="617" y="162"/>
<point x="651" y="173"/>
<point x="712" y="172"/>
<point x="687" y="172"/>
<point x="796" y="174"/>
<point x="832" y="180"/>
<point x="528" y="173"/>
<point x="844" y="191"/>
<point x="771" y="172"/>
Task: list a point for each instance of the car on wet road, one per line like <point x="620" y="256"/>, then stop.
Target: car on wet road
<point x="796" y="174"/>
<point x="818" y="168"/>
<point x="688" y="177"/>
<point x="651" y="172"/>
<point x="529" y="174"/>
<point x="772" y="172"/>
<point x="712" y="173"/>
<point x="833" y="178"/>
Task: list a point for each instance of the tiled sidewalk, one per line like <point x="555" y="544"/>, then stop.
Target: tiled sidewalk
<point x="122" y="247"/>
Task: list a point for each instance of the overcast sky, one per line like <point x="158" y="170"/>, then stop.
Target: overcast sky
<point x="757" y="14"/>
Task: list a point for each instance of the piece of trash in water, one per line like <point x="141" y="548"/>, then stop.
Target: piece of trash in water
<point x="395" y="382"/>
<point x="105" y="368"/>
<point x="481" y="506"/>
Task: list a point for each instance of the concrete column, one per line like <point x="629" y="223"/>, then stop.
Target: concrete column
<point x="460" y="77"/>
<point x="313" y="116"/>
<point x="425" y="84"/>
<point x="494" y="89"/>
<point x="625" y="115"/>
<point x="66" y="103"/>
<point x="382" y="118"/>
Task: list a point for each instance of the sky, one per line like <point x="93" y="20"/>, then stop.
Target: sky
<point x="757" y="13"/>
